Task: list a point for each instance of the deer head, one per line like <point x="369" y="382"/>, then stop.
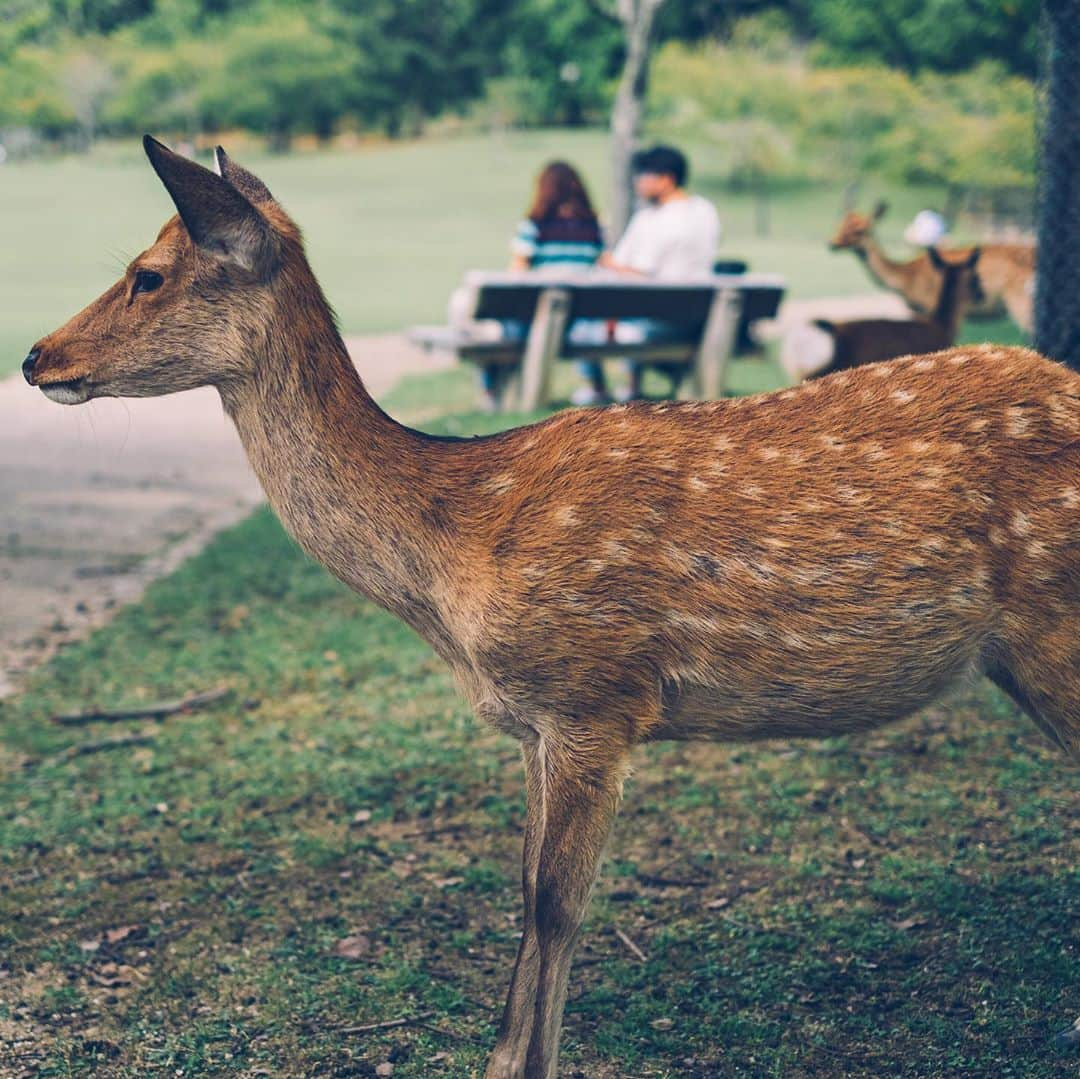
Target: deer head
<point x="960" y="279"/>
<point x="191" y="309"/>
<point x="855" y="228"/>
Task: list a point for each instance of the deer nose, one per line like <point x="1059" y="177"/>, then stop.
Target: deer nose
<point x="28" y="365"/>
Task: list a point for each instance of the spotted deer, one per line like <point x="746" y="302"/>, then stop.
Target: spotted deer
<point x="815" y="561"/>
<point x="870" y="340"/>
<point x="1006" y="271"/>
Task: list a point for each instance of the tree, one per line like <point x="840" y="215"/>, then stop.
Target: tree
<point x="638" y="19"/>
<point x="1057" y="301"/>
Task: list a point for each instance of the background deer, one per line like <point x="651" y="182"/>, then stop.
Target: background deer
<point x="1006" y="271"/>
<point x="868" y="340"/>
<point x="810" y="562"/>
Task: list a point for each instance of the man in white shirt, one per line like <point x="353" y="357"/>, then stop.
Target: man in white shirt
<point x="673" y="236"/>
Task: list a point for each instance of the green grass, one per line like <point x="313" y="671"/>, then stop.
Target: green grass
<point x="900" y="904"/>
<point x="391" y="228"/>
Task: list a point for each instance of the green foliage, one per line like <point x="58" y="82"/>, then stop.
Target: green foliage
<point x="560" y="62"/>
<point x="919" y="35"/>
<point x="795" y="121"/>
<point x="279" y="78"/>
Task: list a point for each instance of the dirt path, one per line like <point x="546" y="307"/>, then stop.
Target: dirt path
<point x="97" y="501"/>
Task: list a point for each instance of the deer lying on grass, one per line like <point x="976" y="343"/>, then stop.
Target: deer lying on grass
<point x="810" y="562"/>
<point x="869" y="340"/>
<point x="1006" y="271"/>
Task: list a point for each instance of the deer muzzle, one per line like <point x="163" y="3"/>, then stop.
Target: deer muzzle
<point x="57" y="377"/>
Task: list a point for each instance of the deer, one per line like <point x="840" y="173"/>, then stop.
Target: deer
<point x="1006" y="271"/>
<point x="816" y="561"/>
<point x="870" y="340"/>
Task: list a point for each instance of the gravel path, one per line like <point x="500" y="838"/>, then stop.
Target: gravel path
<point x="96" y="501"/>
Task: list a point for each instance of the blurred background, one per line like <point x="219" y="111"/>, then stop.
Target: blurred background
<point x="404" y="136"/>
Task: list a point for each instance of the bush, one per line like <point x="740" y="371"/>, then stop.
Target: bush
<point x="780" y="116"/>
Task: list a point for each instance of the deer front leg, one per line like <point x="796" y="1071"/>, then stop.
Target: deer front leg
<point x="572" y="792"/>
<point x="508" y="1058"/>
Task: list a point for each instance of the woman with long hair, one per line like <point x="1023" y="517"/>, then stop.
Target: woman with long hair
<point x="561" y="230"/>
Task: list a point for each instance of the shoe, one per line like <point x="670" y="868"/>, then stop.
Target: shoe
<point x="586" y="396"/>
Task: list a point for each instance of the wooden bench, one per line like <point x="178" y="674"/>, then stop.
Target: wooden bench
<point x="710" y="309"/>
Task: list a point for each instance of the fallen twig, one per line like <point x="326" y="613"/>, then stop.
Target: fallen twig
<point x="148" y="711"/>
<point x="631" y="945"/>
<point x="672" y="882"/>
<point x="388" y="1024"/>
<point x="452" y="1034"/>
<point x="105" y="743"/>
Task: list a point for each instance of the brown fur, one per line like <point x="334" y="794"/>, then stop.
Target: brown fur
<point x="1006" y="271"/>
<point x="870" y="340"/>
<point x="809" y="562"/>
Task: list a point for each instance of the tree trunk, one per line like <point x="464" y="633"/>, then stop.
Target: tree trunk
<point x="638" y="18"/>
<point x="1057" y="298"/>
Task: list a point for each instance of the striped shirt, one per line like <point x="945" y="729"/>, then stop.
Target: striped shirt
<point x="558" y="240"/>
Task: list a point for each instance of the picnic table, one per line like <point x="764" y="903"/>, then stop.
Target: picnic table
<point x="709" y="307"/>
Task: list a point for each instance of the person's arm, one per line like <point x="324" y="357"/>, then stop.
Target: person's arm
<point x="628" y="255"/>
<point x="607" y="261"/>
<point x="523" y="245"/>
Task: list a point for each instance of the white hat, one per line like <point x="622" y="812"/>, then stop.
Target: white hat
<point x="927" y="228"/>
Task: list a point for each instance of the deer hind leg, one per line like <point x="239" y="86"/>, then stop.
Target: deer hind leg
<point x="1045" y="682"/>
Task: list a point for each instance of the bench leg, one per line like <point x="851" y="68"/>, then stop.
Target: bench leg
<point x="542" y="346"/>
<point x="717" y="341"/>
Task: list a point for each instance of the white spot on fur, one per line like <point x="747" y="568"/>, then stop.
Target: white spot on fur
<point x="1070" y="496"/>
<point x="566" y="516"/>
<point x="881" y="370"/>
<point x="903" y="397"/>
<point x="616" y="551"/>
<point x="996" y="536"/>
<point x="1016" y="423"/>
<point x="499" y="485"/>
<point x="958" y="359"/>
<point x="978" y="425"/>
<point x="696" y="622"/>
<point x="920" y="445"/>
<point x="924" y="365"/>
<point x="768" y="453"/>
<point x="1020" y="524"/>
<point x="1037" y="549"/>
<point x="618" y="454"/>
<point x="723" y="444"/>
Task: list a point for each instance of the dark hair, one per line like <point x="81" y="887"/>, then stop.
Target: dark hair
<point x="560" y="192"/>
<point x="663" y="161"/>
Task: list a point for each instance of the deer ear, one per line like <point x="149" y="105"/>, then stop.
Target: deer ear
<point x="935" y="257"/>
<point x="247" y="183"/>
<point x="218" y="217"/>
<point x="880" y="210"/>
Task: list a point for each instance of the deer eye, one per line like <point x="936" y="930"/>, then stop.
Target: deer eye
<point x="146" y="281"/>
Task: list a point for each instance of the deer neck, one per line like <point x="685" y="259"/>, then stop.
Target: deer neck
<point x="893" y="275"/>
<point x="946" y="313"/>
<point x="352" y="486"/>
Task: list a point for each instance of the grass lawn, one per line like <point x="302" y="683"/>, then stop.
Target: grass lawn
<point x="391" y="229"/>
<point x="899" y="904"/>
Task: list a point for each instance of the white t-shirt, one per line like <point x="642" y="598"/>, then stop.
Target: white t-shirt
<point x="675" y="240"/>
